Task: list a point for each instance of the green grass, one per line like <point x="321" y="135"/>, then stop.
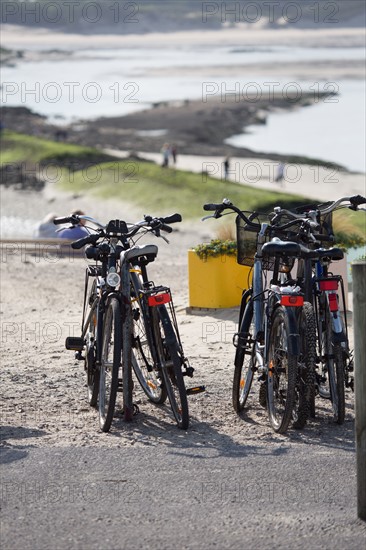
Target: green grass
<point x="17" y="147"/>
<point x="156" y="190"/>
<point x="160" y="190"/>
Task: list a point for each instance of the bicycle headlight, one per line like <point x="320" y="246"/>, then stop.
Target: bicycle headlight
<point x="113" y="279"/>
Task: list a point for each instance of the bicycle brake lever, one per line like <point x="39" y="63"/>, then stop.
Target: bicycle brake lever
<point x="157" y="233"/>
<point x="207" y="218"/>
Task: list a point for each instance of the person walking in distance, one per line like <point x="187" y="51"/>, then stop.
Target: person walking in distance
<point x="165" y="151"/>
<point x="280" y="173"/>
<point x="174" y="153"/>
<point x="226" y="167"/>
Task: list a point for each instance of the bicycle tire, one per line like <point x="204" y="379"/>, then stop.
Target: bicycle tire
<point x="92" y="371"/>
<point x="306" y="366"/>
<point x="324" y="339"/>
<point x="127" y="383"/>
<point x="244" y="360"/>
<point x="282" y="372"/>
<point x="171" y="356"/>
<point x="333" y="387"/>
<point x="110" y="363"/>
<point x="143" y="363"/>
<point x="337" y="385"/>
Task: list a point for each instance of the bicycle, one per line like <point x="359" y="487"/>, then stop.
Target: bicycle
<point x="268" y="341"/>
<point x="325" y="291"/>
<point x="128" y="321"/>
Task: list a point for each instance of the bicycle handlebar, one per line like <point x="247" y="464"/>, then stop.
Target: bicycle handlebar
<point x="212" y="207"/>
<point x="355" y="201"/>
<point x="226" y="203"/>
<point x="90" y="239"/>
<point x="66" y="219"/>
<point x="154" y="223"/>
<point x="166" y="228"/>
<point x="174" y="218"/>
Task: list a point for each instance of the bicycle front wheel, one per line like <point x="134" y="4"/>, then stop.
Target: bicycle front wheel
<point x="144" y="357"/>
<point x="171" y="357"/>
<point x="110" y="363"/>
<point x="282" y="373"/>
<point x="244" y="360"/>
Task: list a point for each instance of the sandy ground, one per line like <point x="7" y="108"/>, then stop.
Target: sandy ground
<point x="44" y="388"/>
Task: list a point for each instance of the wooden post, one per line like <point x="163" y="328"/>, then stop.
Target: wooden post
<point x="359" y="327"/>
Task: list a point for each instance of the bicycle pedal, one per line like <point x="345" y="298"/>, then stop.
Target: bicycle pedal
<point x="189" y="372"/>
<point x="79" y="356"/>
<point x="74" y="343"/>
<point x="197" y="389"/>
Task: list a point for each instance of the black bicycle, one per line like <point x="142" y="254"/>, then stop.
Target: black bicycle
<point x="268" y="341"/>
<point x="128" y="321"/>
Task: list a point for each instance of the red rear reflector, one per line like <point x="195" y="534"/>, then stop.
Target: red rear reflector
<point x="333" y="302"/>
<point x="159" y="299"/>
<point x="328" y="285"/>
<point x="290" y="300"/>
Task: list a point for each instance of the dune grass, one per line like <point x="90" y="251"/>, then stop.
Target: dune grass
<point x="159" y="189"/>
<point x="155" y="189"/>
<point x="16" y="147"/>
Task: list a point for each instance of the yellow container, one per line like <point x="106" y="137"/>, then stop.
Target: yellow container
<point x="216" y="282"/>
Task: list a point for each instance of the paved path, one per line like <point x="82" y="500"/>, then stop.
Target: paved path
<point x="188" y="496"/>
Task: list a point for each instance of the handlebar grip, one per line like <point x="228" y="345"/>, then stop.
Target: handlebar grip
<point x="66" y="219"/>
<point x="90" y="239"/>
<point x="211" y="207"/>
<point x="357" y="200"/>
<point x="166" y="228"/>
<point x="174" y="218"/>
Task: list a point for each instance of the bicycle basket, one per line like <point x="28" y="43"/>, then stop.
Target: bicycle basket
<point x="247" y="243"/>
<point x="247" y="239"/>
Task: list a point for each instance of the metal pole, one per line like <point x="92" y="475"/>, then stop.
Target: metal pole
<point x="359" y="326"/>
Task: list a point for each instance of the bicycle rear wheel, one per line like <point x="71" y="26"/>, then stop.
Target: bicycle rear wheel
<point x="332" y="385"/>
<point x="171" y="357"/>
<point x="144" y="358"/>
<point x="92" y="371"/>
<point x="110" y="363"/>
<point x="306" y="366"/>
<point x="282" y="373"/>
<point x="244" y="360"/>
<point x="336" y="368"/>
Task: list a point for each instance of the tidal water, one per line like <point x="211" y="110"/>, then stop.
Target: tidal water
<point x="85" y="84"/>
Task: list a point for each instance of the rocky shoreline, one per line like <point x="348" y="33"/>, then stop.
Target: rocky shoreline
<point x="197" y="127"/>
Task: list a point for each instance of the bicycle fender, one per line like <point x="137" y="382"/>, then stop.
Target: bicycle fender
<point x="293" y="334"/>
